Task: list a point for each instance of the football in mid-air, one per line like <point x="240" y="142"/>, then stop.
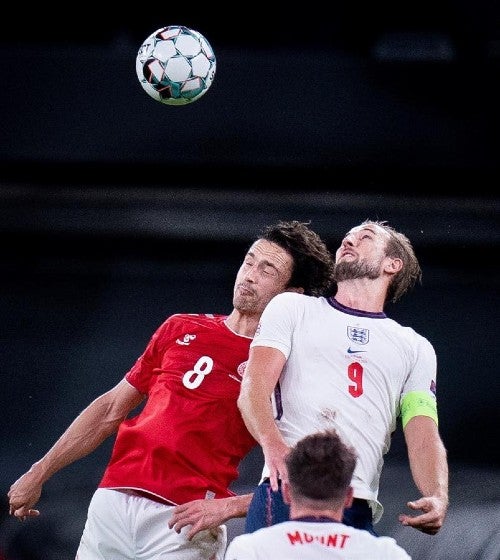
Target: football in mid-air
<point x="175" y="65"/>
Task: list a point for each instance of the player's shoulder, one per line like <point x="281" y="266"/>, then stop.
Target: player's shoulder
<point x="391" y="549"/>
<point x="192" y="321"/>
<point x="297" y="299"/>
<point x="380" y="547"/>
<point x="406" y="331"/>
<point x="197" y="318"/>
<point x="240" y="543"/>
<point x="257" y="544"/>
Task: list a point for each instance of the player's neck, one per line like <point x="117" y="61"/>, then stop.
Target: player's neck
<point x="361" y="294"/>
<point x="307" y="514"/>
<point x="244" y="325"/>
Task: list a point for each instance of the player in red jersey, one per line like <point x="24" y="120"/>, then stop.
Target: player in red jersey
<point x="188" y="439"/>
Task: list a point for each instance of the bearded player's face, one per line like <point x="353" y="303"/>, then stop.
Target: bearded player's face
<point x="361" y="253"/>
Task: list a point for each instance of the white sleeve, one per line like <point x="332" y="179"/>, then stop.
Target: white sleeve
<point x="424" y="370"/>
<point x="277" y="322"/>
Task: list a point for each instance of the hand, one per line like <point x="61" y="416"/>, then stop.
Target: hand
<point x="200" y="514"/>
<point x="274" y="457"/>
<point x="23" y="495"/>
<point x="431" y="520"/>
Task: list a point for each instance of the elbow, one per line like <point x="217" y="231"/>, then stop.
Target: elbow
<point x="243" y="402"/>
<point x="240" y="404"/>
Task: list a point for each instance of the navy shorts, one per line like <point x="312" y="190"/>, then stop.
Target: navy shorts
<point x="268" y="508"/>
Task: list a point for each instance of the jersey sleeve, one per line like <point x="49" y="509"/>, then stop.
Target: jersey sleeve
<point x="143" y="373"/>
<point x="419" y="397"/>
<point x="423" y="372"/>
<point x="276" y="325"/>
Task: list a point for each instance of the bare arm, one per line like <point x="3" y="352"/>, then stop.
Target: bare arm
<point x="429" y="468"/>
<point x="89" y="429"/>
<point x="208" y="514"/>
<point x="261" y="375"/>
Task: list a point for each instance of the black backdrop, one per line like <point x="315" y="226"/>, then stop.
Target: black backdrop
<point x="383" y="98"/>
<point x="116" y="211"/>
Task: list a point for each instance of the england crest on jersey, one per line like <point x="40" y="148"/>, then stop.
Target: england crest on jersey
<point x="358" y="335"/>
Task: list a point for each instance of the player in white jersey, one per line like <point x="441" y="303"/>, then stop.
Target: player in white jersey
<point x="320" y="469"/>
<point x="341" y="362"/>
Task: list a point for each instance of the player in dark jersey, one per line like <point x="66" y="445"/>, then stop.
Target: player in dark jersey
<point x="188" y="439"/>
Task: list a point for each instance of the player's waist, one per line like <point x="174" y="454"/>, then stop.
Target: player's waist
<point x="143" y="494"/>
<point x="358" y="502"/>
<point x="169" y="492"/>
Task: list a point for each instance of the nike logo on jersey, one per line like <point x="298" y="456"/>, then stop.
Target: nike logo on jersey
<point x="186" y="340"/>
<point x="351" y="351"/>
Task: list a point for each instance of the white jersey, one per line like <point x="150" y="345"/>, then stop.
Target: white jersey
<point x="313" y="540"/>
<point x="348" y="370"/>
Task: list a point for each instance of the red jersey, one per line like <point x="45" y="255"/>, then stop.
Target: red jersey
<point x="189" y="438"/>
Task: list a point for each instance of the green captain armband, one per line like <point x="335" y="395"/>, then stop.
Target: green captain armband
<point x="418" y="403"/>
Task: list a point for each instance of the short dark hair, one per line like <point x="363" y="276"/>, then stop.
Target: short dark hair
<point x="313" y="263"/>
<point x="320" y="468"/>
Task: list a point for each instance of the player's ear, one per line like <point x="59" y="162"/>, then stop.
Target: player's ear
<point x="299" y="290"/>
<point x="348" y="498"/>
<point x="285" y="489"/>
<point x="393" y="265"/>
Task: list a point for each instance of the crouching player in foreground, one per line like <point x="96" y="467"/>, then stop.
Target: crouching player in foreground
<point x="320" y="468"/>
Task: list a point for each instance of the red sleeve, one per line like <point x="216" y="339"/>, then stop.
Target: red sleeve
<point x="143" y="373"/>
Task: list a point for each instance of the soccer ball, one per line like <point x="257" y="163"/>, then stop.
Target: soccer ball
<point x="175" y="65"/>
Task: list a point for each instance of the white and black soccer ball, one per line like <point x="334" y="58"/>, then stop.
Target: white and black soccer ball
<point x="175" y="65"/>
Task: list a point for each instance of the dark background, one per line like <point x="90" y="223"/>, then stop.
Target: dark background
<point x="116" y="211"/>
<point x="385" y="96"/>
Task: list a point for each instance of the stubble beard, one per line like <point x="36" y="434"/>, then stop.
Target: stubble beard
<point x="246" y="304"/>
<point x="352" y="270"/>
<point x="243" y="305"/>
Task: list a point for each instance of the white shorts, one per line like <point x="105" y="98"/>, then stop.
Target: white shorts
<point x="120" y="526"/>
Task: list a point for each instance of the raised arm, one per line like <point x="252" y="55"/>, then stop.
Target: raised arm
<point x="261" y="376"/>
<point x="429" y="467"/>
<point x="89" y="429"/>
